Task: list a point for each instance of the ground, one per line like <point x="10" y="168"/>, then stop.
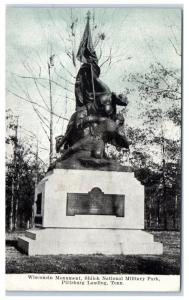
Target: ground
<point x="168" y="263"/>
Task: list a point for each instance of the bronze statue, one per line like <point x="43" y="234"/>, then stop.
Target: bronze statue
<point x="95" y="121"/>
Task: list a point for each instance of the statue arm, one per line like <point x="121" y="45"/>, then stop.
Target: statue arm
<point x="119" y="99"/>
<point x="83" y="120"/>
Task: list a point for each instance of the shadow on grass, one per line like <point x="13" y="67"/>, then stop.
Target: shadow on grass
<point x="93" y="264"/>
<point x="12" y="243"/>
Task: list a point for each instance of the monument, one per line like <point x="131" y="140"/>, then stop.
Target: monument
<point x="88" y="203"/>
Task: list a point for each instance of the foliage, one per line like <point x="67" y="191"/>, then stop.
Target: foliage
<point x="22" y="173"/>
<point x="160" y="89"/>
<point x="155" y="151"/>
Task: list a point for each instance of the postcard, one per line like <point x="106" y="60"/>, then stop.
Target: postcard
<point x="93" y="148"/>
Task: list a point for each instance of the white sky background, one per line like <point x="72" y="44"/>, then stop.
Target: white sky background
<point x="137" y="36"/>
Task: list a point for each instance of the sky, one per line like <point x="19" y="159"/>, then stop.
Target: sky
<point x="136" y="38"/>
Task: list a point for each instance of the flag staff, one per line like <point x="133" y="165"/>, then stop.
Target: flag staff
<point x="92" y="78"/>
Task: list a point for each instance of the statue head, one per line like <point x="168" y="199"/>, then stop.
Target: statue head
<point x="104" y="103"/>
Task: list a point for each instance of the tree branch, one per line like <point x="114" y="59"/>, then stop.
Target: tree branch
<point x="42" y="78"/>
<point x="71" y="83"/>
<point x="153" y="87"/>
<point x="179" y="54"/>
<point x="67" y="70"/>
<point x="35" y="103"/>
<point x="108" y="58"/>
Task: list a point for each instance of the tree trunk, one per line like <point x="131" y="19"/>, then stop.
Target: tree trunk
<point x="158" y="212"/>
<point x="164" y="198"/>
<point x="35" y="186"/>
<point x="16" y="201"/>
<point x="16" y="214"/>
<point x="164" y="181"/>
<point x="175" y="213"/>
<point x="11" y="214"/>
<point x="150" y="217"/>
<point x="51" y="117"/>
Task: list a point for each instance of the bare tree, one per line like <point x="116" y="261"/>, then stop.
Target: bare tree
<point x="55" y="78"/>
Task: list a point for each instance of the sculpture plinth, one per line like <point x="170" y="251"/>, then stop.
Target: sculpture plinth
<point x="97" y="216"/>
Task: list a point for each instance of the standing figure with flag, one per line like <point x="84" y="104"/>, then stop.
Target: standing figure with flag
<point x="88" y="86"/>
<point x="95" y="121"/>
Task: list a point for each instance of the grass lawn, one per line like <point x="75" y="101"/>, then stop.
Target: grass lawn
<point x="168" y="263"/>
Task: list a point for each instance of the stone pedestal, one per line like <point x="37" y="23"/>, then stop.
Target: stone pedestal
<point x="88" y="212"/>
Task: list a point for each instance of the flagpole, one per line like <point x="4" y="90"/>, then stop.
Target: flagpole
<point x="92" y="77"/>
<point x="92" y="82"/>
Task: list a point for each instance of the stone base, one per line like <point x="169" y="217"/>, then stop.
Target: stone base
<point x="89" y="212"/>
<point x="51" y="241"/>
<point x="57" y="187"/>
<point x="78" y="161"/>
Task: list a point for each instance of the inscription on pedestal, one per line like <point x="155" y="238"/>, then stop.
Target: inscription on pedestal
<point x="95" y="203"/>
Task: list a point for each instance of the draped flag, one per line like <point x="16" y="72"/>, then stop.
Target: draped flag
<point x="86" y="49"/>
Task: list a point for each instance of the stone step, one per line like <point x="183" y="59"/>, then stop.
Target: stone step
<point x="30" y="234"/>
<point x="24" y="244"/>
<point x="87" y="235"/>
<point x="90" y="241"/>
